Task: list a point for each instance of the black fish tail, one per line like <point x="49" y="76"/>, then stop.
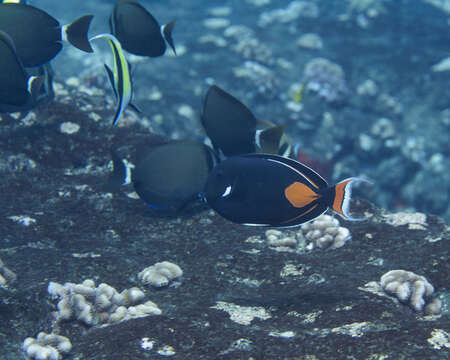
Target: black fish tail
<point x="167" y="32"/>
<point x="77" y="33"/>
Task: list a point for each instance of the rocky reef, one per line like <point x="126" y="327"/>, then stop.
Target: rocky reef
<point x="241" y="297"/>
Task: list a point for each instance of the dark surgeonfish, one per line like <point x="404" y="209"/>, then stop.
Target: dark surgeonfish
<point x="138" y="31"/>
<point x="18" y="90"/>
<point x="38" y="36"/>
<point x="169" y="176"/>
<point x="234" y="130"/>
<point x="271" y="190"/>
<point x="120" y="78"/>
<point x="45" y="70"/>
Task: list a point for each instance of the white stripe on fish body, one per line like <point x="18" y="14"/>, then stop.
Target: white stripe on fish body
<point x="128" y="167"/>
<point x="30" y="81"/>
<point x="298" y="172"/>
<point x="258" y="138"/>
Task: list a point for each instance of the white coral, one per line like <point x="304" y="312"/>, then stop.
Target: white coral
<point x="46" y="346"/>
<point x="277" y="238"/>
<point x="325" y="233"/>
<point x="160" y="274"/>
<point x="99" y="305"/>
<point x="412" y="289"/>
<point x="6" y="275"/>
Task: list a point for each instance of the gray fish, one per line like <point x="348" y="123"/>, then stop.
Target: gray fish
<point x="167" y="176"/>
<point x="138" y="31"/>
<point x="38" y="36"/>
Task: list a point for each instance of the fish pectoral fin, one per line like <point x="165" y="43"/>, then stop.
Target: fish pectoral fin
<point x="300" y="195"/>
<point x="77" y="33"/>
<point x="110" y="75"/>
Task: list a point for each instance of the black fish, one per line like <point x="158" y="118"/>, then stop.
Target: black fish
<point x="18" y="90"/>
<point x="38" y="36"/>
<point x="270" y="190"/>
<point x="138" y="31"/>
<point x="234" y="130"/>
<point x="167" y="176"/>
<point x="46" y="71"/>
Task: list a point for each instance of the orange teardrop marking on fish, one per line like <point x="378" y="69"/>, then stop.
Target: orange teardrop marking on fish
<point x="299" y="195"/>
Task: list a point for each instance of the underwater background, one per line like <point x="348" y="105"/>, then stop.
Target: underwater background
<point x="362" y="90"/>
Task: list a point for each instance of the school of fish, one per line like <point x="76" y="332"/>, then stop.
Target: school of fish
<point x="248" y="175"/>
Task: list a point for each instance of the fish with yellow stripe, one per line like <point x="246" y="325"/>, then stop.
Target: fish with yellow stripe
<point x="271" y="190"/>
<point x="119" y="77"/>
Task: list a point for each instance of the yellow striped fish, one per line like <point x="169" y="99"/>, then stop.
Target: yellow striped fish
<point x="120" y="78"/>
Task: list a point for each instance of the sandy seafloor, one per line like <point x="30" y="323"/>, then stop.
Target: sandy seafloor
<point x="76" y="230"/>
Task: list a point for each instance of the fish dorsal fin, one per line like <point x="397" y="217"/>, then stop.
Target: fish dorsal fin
<point x="304" y="171"/>
<point x="268" y="140"/>
<point x="77" y="33"/>
<point x="167" y="33"/>
<point x="229" y="124"/>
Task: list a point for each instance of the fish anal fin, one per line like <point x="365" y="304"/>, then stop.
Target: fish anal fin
<point x="300" y="195"/>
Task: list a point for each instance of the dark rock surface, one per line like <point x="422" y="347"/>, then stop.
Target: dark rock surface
<point x="82" y="232"/>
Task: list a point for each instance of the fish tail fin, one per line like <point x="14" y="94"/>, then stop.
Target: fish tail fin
<point x="77" y="33"/>
<point x="342" y="197"/>
<point x="167" y="33"/>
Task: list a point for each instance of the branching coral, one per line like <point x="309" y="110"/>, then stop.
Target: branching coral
<point x="412" y="289"/>
<point x="325" y="233"/>
<point x="99" y="305"/>
<point x="46" y="347"/>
